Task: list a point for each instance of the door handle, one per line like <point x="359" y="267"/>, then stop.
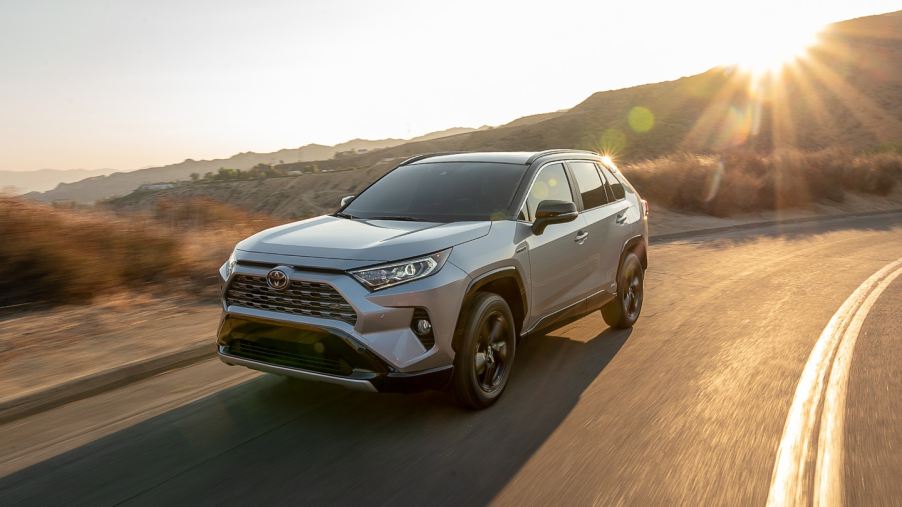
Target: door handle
<point x="581" y="236"/>
<point x="621" y="217"/>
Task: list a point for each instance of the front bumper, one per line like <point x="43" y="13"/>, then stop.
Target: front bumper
<point x="377" y="352"/>
<point x="358" y="384"/>
<point x="387" y="382"/>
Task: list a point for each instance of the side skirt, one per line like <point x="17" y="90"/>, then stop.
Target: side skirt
<point x="570" y="314"/>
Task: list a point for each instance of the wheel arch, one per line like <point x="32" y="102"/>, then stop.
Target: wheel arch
<point x="505" y="282"/>
<point x="635" y="244"/>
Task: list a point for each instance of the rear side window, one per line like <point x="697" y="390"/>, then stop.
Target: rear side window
<point x="550" y="185"/>
<point x="590" y="185"/>
<point x="614" y="183"/>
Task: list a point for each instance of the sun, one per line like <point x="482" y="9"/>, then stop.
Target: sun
<point x="767" y="49"/>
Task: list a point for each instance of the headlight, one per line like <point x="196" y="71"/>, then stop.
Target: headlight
<point x="388" y="275"/>
<point x="229" y="267"/>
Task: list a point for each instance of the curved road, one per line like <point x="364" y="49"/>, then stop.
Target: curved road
<point x="688" y="407"/>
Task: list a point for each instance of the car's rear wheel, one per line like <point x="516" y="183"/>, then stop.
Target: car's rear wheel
<point x="623" y="311"/>
<point x="486" y="350"/>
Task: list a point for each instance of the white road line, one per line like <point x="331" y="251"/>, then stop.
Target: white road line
<point x="816" y="415"/>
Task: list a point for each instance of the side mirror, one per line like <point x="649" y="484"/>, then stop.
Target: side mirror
<point x="553" y="212"/>
<point x="346" y="200"/>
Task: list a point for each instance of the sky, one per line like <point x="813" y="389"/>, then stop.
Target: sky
<point x="126" y="84"/>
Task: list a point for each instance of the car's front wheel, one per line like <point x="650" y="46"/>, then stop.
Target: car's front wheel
<point x="486" y="350"/>
<point x="623" y="311"/>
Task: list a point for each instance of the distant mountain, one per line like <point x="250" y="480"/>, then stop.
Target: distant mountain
<point x="104" y="185"/>
<point x="533" y="118"/>
<point x="44" y="179"/>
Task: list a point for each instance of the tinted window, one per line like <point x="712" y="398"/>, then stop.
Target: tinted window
<point x="550" y="185"/>
<point x="441" y="191"/>
<point x="616" y="186"/>
<point x="590" y="185"/>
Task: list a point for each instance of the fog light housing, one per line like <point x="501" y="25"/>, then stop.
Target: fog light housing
<point x="422" y="327"/>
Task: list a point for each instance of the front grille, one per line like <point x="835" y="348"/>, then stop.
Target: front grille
<point x="297" y="347"/>
<point x="311" y="299"/>
<point x="293" y="355"/>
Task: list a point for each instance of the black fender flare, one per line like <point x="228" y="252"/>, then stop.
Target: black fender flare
<point x="637" y="244"/>
<point x="502" y="273"/>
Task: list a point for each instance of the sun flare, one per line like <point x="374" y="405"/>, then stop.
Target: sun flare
<point x="771" y="48"/>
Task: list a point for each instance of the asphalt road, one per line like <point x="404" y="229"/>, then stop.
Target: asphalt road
<point x="688" y="407"/>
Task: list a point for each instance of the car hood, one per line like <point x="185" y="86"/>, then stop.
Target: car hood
<point x="362" y="240"/>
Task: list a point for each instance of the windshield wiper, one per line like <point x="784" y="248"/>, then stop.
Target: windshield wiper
<point x="399" y="218"/>
<point x="345" y="215"/>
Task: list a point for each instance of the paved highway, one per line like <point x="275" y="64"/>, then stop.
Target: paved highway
<point x="723" y="393"/>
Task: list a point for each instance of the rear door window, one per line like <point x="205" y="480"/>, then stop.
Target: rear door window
<point x="591" y="188"/>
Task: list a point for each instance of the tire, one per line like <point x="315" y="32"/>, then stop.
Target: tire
<point x="486" y="351"/>
<point x="623" y="311"/>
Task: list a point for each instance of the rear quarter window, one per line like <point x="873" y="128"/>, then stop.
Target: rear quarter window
<point x="615" y="184"/>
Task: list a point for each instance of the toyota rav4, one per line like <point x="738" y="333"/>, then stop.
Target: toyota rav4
<point x="429" y="277"/>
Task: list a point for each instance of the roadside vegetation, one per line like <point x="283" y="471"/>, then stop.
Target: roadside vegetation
<point x="741" y="182"/>
<point x="51" y="256"/>
<point x="259" y="171"/>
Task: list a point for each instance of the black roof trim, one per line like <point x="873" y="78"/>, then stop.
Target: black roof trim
<point x="421" y="156"/>
<point x="532" y="158"/>
<point x="545" y="153"/>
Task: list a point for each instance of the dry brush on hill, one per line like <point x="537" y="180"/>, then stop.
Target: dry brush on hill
<point x="739" y="182"/>
<point x="53" y="256"/>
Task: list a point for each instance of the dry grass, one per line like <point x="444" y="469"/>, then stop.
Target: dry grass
<point x="738" y="182"/>
<point x="53" y="256"/>
<point x="206" y="214"/>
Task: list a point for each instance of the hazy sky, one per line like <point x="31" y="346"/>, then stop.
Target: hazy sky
<point x="125" y="84"/>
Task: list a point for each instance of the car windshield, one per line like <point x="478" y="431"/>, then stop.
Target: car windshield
<point x="440" y="192"/>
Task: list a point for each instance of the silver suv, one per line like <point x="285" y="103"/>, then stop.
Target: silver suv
<point x="430" y="276"/>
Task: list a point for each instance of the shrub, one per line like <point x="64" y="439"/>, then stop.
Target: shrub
<point x="66" y="256"/>
<point x="55" y="256"/>
<point x="744" y="181"/>
<point x="205" y="213"/>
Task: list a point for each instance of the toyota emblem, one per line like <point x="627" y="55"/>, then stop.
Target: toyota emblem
<point x="277" y="279"/>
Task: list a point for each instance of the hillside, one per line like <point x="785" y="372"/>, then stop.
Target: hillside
<point x="121" y="183"/>
<point x="719" y="185"/>
<point x="285" y="197"/>
<point x="847" y="93"/>
<point x="847" y="96"/>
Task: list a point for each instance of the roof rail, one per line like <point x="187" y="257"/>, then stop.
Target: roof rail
<point x="545" y="153"/>
<point x="421" y="156"/>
